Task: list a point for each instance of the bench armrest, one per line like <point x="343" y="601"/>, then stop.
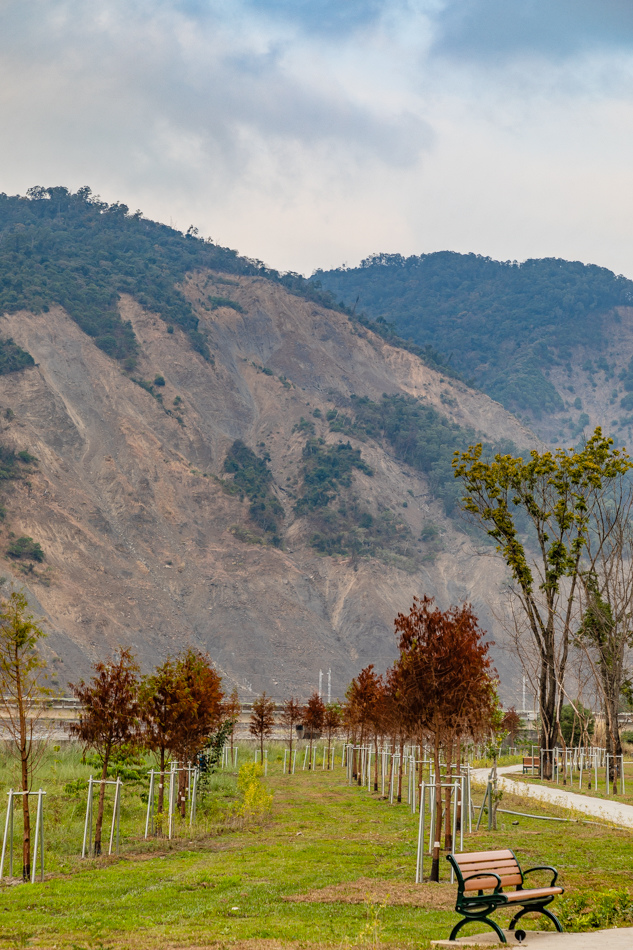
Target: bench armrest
<point x="472" y="877"/>
<point x="544" y="867"/>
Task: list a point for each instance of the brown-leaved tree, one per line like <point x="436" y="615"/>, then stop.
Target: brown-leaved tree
<point x="313" y="716"/>
<point x="262" y="720"/>
<point x="446" y="685"/>
<point x="110" y="716"/>
<point x="291" y="716"/>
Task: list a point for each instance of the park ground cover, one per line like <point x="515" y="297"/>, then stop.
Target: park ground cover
<point x="331" y="866"/>
<point x="589" y="786"/>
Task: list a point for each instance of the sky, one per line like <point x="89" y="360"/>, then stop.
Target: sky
<point x="312" y="133"/>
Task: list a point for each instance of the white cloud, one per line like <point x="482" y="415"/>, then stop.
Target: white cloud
<point x="306" y="134"/>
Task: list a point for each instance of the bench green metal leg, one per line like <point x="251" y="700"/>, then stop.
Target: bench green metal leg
<point x="483" y="920"/>
<point x="537" y="910"/>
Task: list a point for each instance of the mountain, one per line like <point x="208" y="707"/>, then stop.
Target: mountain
<point x="197" y="450"/>
<point x="551" y="340"/>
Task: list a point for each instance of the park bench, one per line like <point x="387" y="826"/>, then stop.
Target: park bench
<point x="499" y="873"/>
<point x="530" y="763"/>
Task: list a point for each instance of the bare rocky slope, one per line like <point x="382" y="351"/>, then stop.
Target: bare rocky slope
<point x="144" y="544"/>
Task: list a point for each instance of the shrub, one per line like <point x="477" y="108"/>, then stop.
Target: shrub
<point x="25" y="548"/>
<point x="159" y="380"/>
<point x="257" y="800"/>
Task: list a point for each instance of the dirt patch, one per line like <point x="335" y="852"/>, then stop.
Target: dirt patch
<point x="389" y="893"/>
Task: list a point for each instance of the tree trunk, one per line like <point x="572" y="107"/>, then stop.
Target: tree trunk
<point x="458" y="760"/>
<point x="611" y="685"/>
<point x="376" y="762"/>
<point x="390" y="776"/>
<point x="26" y="813"/>
<point x="102" y="790"/>
<point x="547" y="704"/>
<point x="360" y="756"/>
<point x="437" y="831"/>
<point x="448" y="829"/>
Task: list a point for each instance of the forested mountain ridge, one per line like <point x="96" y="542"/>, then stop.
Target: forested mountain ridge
<point x="275" y="496"/>
<point x="550" y="339"/>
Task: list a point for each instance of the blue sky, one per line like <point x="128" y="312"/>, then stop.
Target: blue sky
<point x="309" y="134"/>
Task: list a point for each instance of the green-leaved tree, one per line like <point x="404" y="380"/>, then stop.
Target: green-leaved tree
<point x="539" y="512"/>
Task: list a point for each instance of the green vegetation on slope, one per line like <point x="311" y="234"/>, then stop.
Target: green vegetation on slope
<point x="252" y="476"/>
<point x="76" y="251"/>
<point x="13" y="358"/>
<point x="418" y="434"/>
<point x="503" y="324"/>
<point x="345" y="527"/>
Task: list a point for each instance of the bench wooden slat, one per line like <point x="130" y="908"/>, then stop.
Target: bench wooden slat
<point x="469" y="857"/>
<point x="526" y="895"/>
<point x="487" y="866"/>
<point x="481" y="883"/>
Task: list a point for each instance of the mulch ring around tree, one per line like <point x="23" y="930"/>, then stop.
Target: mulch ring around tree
<point x="372" y="891"/>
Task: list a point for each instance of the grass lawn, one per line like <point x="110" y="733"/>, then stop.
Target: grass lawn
<point x="332" y="866"/>
<point x="598" y="790"/>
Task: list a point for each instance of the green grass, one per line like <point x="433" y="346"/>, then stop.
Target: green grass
<point x="227" y="884"/>
<point x="588" y="776"/>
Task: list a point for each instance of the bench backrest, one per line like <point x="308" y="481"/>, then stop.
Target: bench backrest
<point x="531" y="760"/>
<point x="502" y="863"/>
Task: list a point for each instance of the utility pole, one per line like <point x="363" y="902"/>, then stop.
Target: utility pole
<point x="523" y="706"/>
<point x="320" y="684"/>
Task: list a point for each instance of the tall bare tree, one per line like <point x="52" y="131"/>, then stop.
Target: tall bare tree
<point x="22" y="698"/>
<point x="110" y="716"/>
<point x="606" y="630"/>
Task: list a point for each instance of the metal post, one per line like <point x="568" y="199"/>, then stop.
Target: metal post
<point x="192" y="809"/>
<point x="171" y="802"/>
<point x="88" y="821"/>
<point x="150" y="805"/>
<point x="39" y="839"/>
<point x="483" y="805"/>
<point x="6" y="832"/>
<point x="622" y="774"/>
<point x="462" y="799"/>
<point x="454" y="835"/>
<point x="294" y="761"/>
<point x="115" y="814"/>
<point x="419" y="861"/>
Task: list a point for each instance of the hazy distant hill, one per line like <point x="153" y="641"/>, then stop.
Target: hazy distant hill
<point x="205" y="453"/>
<point x="548" y="338"/>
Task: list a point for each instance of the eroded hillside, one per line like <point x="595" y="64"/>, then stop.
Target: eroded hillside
<point x="150" y="542"/>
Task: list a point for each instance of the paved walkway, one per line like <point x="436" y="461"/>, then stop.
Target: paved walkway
<point x="611" y="811"/>
<point x="542" y="940"/>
